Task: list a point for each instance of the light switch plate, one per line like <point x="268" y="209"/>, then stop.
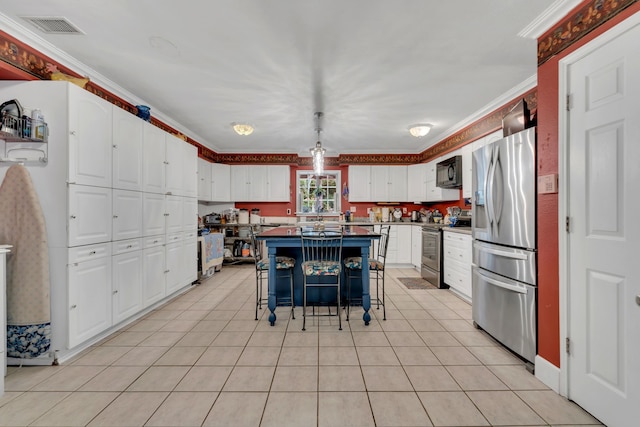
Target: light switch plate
<point x="548" y="184"/>
<point x="352" y="209"/>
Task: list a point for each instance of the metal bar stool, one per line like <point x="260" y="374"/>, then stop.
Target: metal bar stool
<point x="321" y="265"/>
<point x="353" y="265"/>
<point x="284" y="266"/>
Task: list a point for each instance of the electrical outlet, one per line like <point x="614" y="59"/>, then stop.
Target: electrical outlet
<point x="352" y="209"/>
<point x="404" y="211"/>
<point x="288" y="211"/>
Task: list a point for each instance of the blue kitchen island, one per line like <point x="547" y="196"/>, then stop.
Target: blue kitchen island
<point x="286" y="241"/>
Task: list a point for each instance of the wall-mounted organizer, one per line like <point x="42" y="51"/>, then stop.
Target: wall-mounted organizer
<point x="24" y="140"/>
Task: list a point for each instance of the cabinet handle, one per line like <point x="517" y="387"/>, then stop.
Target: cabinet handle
<point x="115" y="292"/>
<point x="129" y="246"/>
<point x="73" y="306"/>
<point x="155" y="241"/>
<point x="166" y="271"/>
<point x="166" y="214"/>
<point x="73" y="132"/>
<point x="115" y="145"/>
<point x="115" y="216"/>
<point x="165" y="162"/>
<point x="92" y="253"/>
<point x="72" y="217"/>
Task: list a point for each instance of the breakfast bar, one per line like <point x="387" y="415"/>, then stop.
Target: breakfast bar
<point x="286" y="240"/>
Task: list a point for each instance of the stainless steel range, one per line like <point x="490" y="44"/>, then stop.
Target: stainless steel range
<point x="431" y="267"/>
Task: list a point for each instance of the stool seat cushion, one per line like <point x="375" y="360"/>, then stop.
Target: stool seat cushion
<point x="355" y="263"/>
<point x="282" y="263"/>
<point x="321" y="268"/>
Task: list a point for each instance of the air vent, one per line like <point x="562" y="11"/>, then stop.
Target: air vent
<point x="53" y="24"/>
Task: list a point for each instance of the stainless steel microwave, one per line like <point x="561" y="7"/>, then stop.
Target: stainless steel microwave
<point x="449" y="173"/>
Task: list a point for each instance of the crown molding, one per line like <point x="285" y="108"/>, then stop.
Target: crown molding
<point x="548" y="18"/>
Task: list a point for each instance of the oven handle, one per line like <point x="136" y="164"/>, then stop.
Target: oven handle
<point x="504" y="253"/>
<point x="431" y="233"/>
<point x="507" y="286"/>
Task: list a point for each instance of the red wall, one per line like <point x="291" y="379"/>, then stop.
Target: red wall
<point x="549" y="344"/>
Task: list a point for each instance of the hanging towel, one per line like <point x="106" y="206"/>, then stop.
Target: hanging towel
<point x="22" y="225"/>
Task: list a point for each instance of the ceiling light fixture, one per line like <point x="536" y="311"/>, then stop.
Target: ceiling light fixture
<point x="242" y="128"/>
<point x="419" y="130"/>
<point x="318" y="152"/>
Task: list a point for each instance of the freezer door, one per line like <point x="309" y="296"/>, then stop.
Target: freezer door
<point x="506" y="310"/>
<point x="504" y="188"/>
<point x="518" y="264"/>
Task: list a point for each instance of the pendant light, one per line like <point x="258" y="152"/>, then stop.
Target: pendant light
<point x="318" y="152"/>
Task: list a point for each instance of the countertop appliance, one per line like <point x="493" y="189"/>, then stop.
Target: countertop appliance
<point x="504" y="270"/>
<point x="449" y="173"/>
<point x="431" y="262"/>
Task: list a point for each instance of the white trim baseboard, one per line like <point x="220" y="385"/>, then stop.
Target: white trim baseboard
<point x="548" y="373"/>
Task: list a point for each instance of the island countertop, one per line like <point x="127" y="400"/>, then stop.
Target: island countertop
<point x="288" y="231"/>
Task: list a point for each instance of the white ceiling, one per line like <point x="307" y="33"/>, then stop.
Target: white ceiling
<point x="373" y="67"/>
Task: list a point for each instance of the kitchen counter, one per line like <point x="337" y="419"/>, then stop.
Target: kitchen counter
<point x="461" y="230"/>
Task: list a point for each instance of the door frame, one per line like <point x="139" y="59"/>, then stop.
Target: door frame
<point x="563" y="185"/>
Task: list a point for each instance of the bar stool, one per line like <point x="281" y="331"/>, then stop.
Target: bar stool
<point x="353" y="265"/>
<point x="284" y="266"/>
<point x="321" y="265"/>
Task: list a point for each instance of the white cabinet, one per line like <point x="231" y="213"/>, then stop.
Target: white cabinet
<point x="173" y="162"/>
<point x="189" y="170"/>
<point x="89" y="215"/>
<point x="90" y="138"/>
<point x="417" y="182"/>
<point x="189" y="214"/>
<point x="435" y="193"/>
<point x="153" y="273"/>
<point x="126" y="279"/>
<point x="278" y="183"/>
<point x="190" y="257"/>
<point x="389" y="183"/>
<point x="467" y="171"/>
<point x="174" y="261"/>
<point x="173" y="214"/>
<point x="416" y="246"/>
<point x="89" y="297"/>
<point x="398" y="246"/>
<point x="153" y="212"/>
<point x="360" y="184"/>
<point x="127" y="150"/>
<point x="153" y="164"/>
<point x="220" y="182"/>
<point x="127" y="214"/>
<point x="204" y="180"/>
<point x="457" y="252"/>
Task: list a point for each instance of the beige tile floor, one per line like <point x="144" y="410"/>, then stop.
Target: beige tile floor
<point x="202" y="360"/>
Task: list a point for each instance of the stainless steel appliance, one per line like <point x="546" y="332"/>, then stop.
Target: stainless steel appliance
<point x="504" y="267"/>
<point x="449" y="173"/>
<point x="431" y="267"/>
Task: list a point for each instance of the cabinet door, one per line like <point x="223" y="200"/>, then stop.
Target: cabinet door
<point x="153" y="213"/>
<point x="417" y="182"/>
<point x="189" y="169"/>
<point x="127" y="150"/>
<point x="189" y="214"/>
<point x="89" y="299"/>
<point x="403" y="246"/>
<point x="380" y="183"/>
<point x="416" y="246"/>
<point x="278" y="181"/>
<point x="127" y="285"/>
<point x="220" y="182"/>
<point x="127" y="214"/>
<point x="190" y="258"/>
<point x="173" y="214"/>
<point x="204" y="180"/>
<point x="89" y="219"/>
<point x="258" y="183"/>
<point x="397" y="183"/>
<point x="90" y="138"/>
<point x="360" y="184"/>
<point x="153" y="275"/>
<point x="467" y="170"/>
<point x="240" y="183"/>
<point x="174" y="162"/>
<point x="174" y="266"/>
<point x="153" y="161"/>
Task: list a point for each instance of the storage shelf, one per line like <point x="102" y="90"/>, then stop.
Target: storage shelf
<point x="17" y="129"/>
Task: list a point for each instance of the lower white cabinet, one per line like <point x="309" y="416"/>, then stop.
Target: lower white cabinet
<point x="416" y="246"/>
<point x="127" y="215"/>
<point x="457" y="254"/>
<point x="153" y="212"/>
<point x="399" y="245"/>
<point x="153" y="275"/>
<point x="89" y="215"/>
<point x="126" y="279"/>
<point x="89" y="292"/>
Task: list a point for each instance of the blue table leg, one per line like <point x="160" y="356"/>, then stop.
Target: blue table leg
<point x="272" y="285"/>
<point x="366" y="296"/>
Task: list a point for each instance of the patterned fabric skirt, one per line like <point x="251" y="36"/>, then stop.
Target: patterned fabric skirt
<point x="27" y="342"/>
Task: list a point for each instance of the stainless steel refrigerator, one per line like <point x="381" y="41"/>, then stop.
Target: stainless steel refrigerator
<point x="504" y="248"/>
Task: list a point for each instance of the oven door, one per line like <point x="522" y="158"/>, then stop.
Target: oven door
<point x="431" y="249"/>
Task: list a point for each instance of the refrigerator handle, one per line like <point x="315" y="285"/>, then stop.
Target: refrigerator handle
<point x="489" y="192"/>
<point x="507" y="286"/>
<point x="504" y="254"/>
<point x="497" y="210"/>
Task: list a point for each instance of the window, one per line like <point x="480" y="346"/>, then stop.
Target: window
<point x="318" y="194"/>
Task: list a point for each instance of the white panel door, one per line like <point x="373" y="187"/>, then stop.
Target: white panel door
<point x="604" y="238"/>
<point x="153" y="275"/>
<point x="90" y="138"/>
<point x="153" y="161"/>
<point x="190" y="258"/>
<point x="240" y="183"/>
<point x="89" y="215"/>
<point x="127" y="214"/>
<point x="258" y="183"/>
<point x="189" y="214"/>
<point x="278" y="180"/>
<point x="127" y="150"/>
<point x="417" y="182"/>
<point x="220" y="182"/>
<point x="174" y="267"/>
<point x="380" y="184"/>
<point x="174" y="161"/>
<point x="153" y="214"/>
<point x="360" y="184"/>
<point x="89" y="299"/>
<point x="189" y="169"/>
<point x="127" y="285"/>
<point x="173" y="214"/>
<point x="204" y="180"/>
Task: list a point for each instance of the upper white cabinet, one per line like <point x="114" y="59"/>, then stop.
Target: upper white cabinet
<point x="173" y="162"/>
<point x="467" y="170"/>
<point x="220" y="182"/>
<point x="278" y="183"/>
<point x="389" y="183"/>
<point x="90" y="138"/>
<point x="153" y="165"/>
<point x="417" y="182"/>
<point x="360" y="183"/>
<point x="189" y="170"/>
<point x="260" y="183"/>
<point x="435" y="193"/>
<point x="89" y="215"/>
<point x="127" y="151"/>
<point x="204" y="180"/>
<point x="127" y="214"/>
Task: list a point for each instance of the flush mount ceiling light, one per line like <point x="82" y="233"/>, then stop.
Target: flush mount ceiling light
<point x="419" y="130"/>
<point x="318" y="152"/>
<point x="243" y="129"/>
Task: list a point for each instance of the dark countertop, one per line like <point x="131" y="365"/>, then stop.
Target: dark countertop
<point x="294" y="231"/>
